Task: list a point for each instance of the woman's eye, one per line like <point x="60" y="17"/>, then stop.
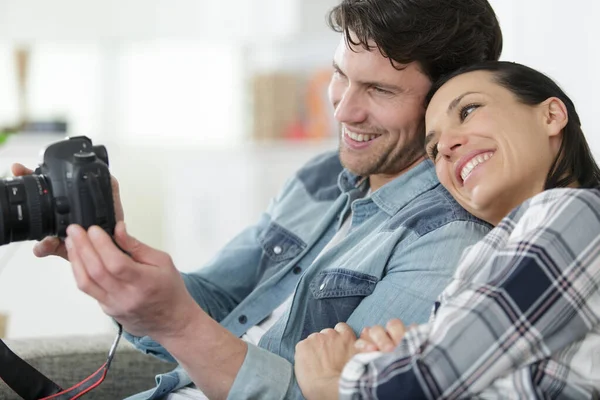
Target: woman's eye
<point x="467" y="110"/>
<point x="433" y="152"/>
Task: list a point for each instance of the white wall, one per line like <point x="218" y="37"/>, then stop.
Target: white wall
<point x="559" y="38"/>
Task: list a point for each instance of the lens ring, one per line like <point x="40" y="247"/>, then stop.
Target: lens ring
<point x="34" y="205"/>
<point x="4" y="215"/>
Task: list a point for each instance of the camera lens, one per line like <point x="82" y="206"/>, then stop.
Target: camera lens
<point x="26" y="209"/>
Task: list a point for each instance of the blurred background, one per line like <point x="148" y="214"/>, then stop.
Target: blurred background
<point x="206" y="108"/>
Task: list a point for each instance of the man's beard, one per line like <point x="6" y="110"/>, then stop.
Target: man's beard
<point x="389" y="163"/>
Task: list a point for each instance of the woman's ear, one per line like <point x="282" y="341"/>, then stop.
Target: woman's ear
<point x="555" y="115"/>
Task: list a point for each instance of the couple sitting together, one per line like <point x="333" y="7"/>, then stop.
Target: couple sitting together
<point x="449" y="249"/>
<point x="522" y="313"/>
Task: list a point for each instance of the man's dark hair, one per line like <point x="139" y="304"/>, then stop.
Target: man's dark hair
<point x="441" y="35"/>
<point x="574" y="163"/>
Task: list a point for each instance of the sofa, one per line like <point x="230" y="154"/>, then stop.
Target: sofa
<point x="68" y="360"/>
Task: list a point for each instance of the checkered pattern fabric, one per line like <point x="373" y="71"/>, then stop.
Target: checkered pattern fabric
<point x="521" y="319"/>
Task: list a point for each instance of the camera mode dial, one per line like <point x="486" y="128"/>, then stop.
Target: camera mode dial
<point x="84" y="158"/>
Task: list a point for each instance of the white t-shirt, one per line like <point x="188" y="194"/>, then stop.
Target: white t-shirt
<point x="256" y="332"/>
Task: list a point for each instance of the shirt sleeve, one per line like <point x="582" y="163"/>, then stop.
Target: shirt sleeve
<point x="263" y="376"/>
<point x="540" y="296"/>
<point x="213" y="287"/>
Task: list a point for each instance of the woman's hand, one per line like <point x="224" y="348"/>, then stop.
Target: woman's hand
<point x="320" y="359"/>
<point x="378" y="338"/>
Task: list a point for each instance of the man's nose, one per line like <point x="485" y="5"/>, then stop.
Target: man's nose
<point x="350" y="108"/>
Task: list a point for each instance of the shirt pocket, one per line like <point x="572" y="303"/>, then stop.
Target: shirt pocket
<point x="278" y="246"/>
<point x="335" y="294"/>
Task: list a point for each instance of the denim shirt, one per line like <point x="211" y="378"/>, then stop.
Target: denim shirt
<point x="403" y="246"/>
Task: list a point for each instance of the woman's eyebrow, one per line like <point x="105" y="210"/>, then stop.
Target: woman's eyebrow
<point x="457" y="100"/>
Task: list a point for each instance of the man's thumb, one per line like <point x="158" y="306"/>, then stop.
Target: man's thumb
<point x="137" y="250"/>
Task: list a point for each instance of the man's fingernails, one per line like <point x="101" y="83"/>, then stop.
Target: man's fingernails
<point x="360" y="344"/>
<point x="72" y="230"/>
<point x="95" y="232"/>
<point x="68" y="243"/>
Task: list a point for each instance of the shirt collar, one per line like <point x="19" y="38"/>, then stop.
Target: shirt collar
<point x="394" y="195"/>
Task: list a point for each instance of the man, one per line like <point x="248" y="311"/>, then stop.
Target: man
<point x="363" y="243"/>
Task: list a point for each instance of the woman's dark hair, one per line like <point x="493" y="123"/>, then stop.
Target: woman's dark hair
<point x="441" y="35"/>
<point x="574" y="162"/>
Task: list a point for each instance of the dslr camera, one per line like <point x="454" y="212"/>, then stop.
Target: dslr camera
<point x="71" y="186"/>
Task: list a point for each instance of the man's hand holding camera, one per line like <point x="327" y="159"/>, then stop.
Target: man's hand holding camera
<point x="146" y="294"/>
<point x="144" y="291"/>
<point x="135" y="284"/>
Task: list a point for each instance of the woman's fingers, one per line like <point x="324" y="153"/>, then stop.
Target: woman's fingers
<point x="396" y="330"/>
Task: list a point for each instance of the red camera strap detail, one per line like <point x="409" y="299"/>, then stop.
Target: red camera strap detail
<point x="82" y="387"/>
<point x="31" y="384"/>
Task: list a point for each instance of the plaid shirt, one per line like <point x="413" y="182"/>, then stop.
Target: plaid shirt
<point x="521" y="319"/>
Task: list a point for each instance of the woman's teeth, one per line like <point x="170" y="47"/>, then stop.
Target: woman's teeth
<point x="359" y="137"/>
<point x="475" y="161"/>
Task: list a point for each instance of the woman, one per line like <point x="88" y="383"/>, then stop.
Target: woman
<point x="521" y="319"/>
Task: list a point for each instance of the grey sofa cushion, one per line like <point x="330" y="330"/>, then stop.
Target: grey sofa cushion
<point x="68" y="360"/>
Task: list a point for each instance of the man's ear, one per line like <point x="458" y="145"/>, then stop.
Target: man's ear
<point x="555" y="115"/>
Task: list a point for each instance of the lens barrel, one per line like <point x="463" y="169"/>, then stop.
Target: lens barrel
<point x="26" y="211"/>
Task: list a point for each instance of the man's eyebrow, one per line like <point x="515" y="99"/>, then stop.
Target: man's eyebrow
<point x="382" y="85"/>
<point x="457" y="100"/>
<point x="386" y="86"/>
<point x="337" y="68"/>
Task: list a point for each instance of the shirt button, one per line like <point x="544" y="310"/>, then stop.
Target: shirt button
<point x="277" y="249"/>
<point x="243" y="319"/>
<point x="297" y="270"/>
<point x="322" y="286"/>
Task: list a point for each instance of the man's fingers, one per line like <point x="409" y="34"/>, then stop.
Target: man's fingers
<point x="77" y="238"/>
<point x="83" y="280"/>
<point x="20" y="170"/>
<point x="345" y="330"/>
<point x="50" y="246"/>
<point x="114" y="260"/>
<point x="328" y="331"/>
<point x="119" y="214"/>
<point x="396" y="330"/>
<point x="139" y="251"/>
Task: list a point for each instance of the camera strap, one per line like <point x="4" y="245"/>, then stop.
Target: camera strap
<point x="31" y="384"/>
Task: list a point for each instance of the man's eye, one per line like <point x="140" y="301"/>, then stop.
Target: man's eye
<point x="380" y="90"/>
<point x="467" y="110"/>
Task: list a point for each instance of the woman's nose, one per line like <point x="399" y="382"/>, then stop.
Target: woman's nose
<point x="450" y="143"/>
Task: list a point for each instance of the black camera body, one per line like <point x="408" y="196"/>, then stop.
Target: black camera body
<point x="71" y="186"/>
